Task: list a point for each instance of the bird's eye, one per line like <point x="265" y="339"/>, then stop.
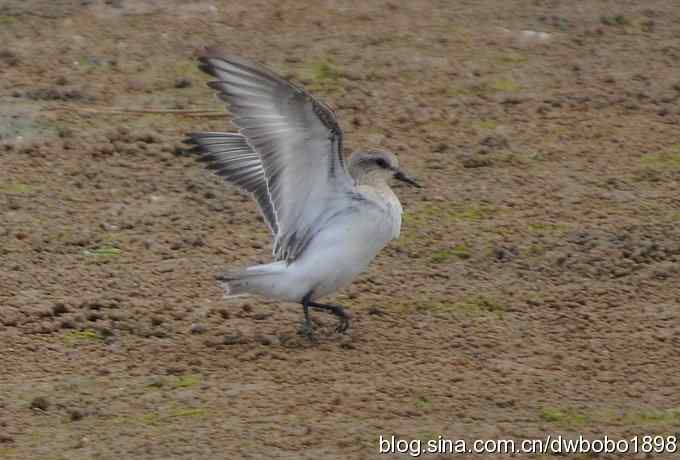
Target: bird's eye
<point x="382" y="163"/>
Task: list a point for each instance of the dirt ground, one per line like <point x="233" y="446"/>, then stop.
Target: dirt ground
<point x="534" y="289"/>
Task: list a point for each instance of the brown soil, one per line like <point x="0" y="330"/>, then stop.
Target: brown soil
<point x="534" y="289"/>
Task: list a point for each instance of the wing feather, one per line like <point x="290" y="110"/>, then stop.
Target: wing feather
<point x="299" y="143"/>
<point x="232" y="158"/>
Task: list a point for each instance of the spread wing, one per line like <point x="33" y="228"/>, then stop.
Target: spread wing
<point x="299" y="143"/>
<point x="230" y="156"/>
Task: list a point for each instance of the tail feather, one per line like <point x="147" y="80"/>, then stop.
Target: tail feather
<point x="251" y="280"/>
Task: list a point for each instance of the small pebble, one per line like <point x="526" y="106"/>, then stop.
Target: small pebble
<point x="375" y="311"/>
<point x="231" y="340"/>
<point x="183" y="83"/>
<point x="68" y="324"/>
<point x="198" y="328"/>
<point x="59" y="308"/>
<point x="40" y="403"/>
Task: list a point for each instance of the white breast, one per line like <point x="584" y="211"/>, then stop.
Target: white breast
<point x="395" y="210"/>
<point x="388" y="201"/>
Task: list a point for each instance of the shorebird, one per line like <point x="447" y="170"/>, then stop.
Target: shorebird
<point x="329" y="218"/>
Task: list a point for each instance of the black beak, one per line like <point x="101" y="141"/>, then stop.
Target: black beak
<point x="399" y="175"/>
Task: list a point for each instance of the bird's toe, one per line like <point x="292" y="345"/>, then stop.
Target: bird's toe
<point x="307" y="331"/>
<point x="343" y="324"/>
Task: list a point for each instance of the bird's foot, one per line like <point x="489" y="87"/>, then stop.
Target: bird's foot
<point x="307" y="331"/>
<point x="343" y="320"/>
<point x="343" y="315"/>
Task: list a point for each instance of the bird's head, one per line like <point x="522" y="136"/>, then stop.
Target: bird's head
<point x="375" y="165"/>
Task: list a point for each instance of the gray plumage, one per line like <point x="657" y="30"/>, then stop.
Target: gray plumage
<point x="292" y="132"/>
<point x="328" y="219"/>
<point x="232" y="158"/>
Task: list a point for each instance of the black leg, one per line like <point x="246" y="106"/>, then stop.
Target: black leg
<point x="307" y="329"/>
<point x="337" y="310"/>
